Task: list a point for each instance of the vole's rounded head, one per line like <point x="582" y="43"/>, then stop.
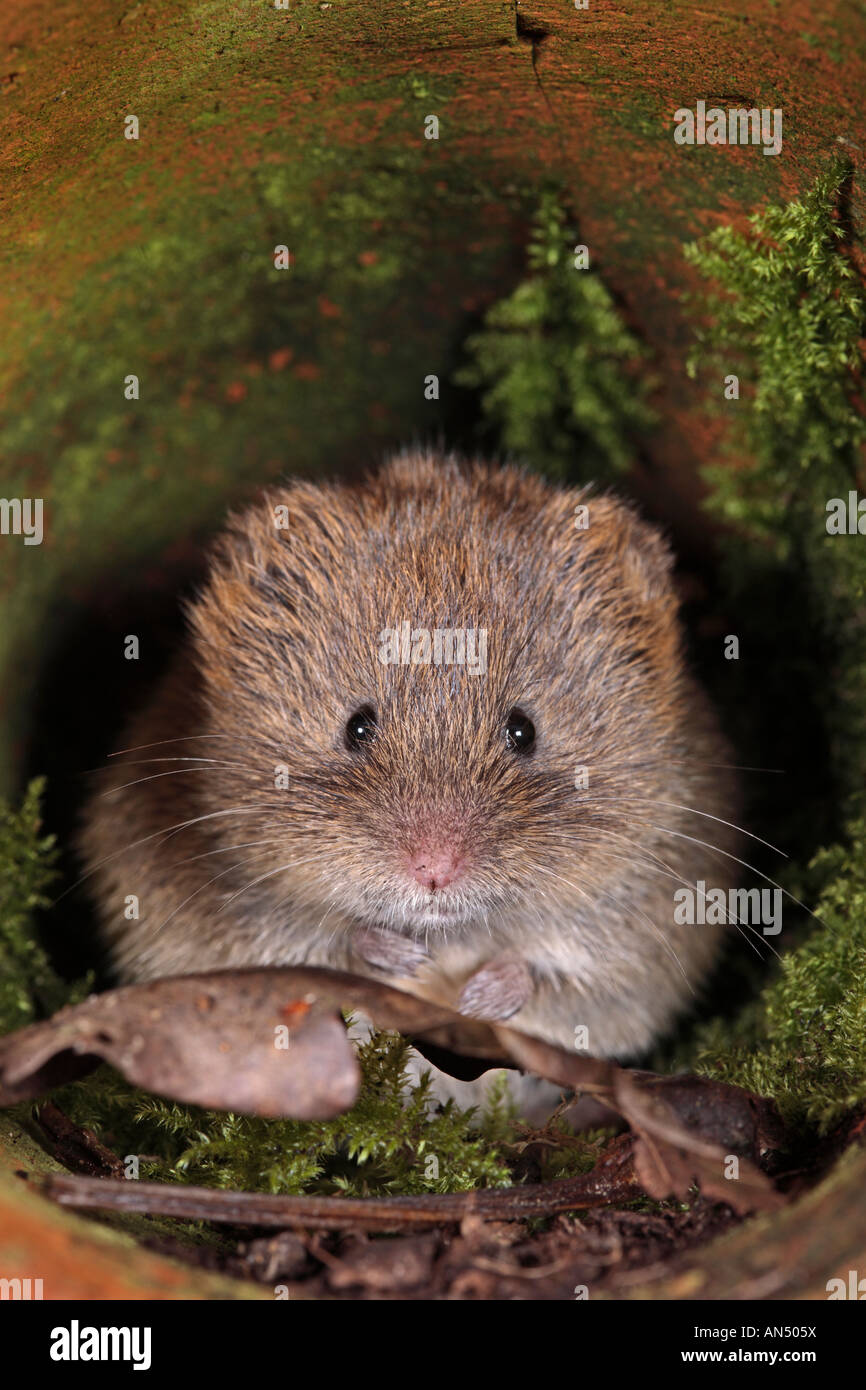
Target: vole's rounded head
<point x="448" y="692"/>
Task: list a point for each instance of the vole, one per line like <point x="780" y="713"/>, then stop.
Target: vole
<point x="437" y="728"/>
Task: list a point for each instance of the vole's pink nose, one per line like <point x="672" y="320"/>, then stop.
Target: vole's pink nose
<point x="435" y="869"/>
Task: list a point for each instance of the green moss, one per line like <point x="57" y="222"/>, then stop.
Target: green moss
<point x="556" y="364"/>
<point x="787" y="313"/>
<point x="804" y="1041"/>
<point x="395" y="1138"/>
<point x="29" y="987"/>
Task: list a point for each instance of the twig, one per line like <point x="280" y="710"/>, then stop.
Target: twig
<point x="75" y="1147"/>
<point x="611" y="1181"/>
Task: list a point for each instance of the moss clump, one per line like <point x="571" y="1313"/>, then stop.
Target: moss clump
<point x="395" y="1139"/>
<point x="804" y="1042"/>
<point x="556" y="364"/>
<point x="789" y="310"/>
<point x="788" y="315"/>
<point x="29" y="988"/>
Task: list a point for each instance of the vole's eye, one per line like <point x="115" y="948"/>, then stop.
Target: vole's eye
<point x="361" y="728"/>
<point x="519" y="732"/>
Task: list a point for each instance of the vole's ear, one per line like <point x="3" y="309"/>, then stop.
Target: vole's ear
<point x="647" y="556"/>
<point x="272" y="560"/>
<point x="610" y="532"/>
<point x="414" y="470"/>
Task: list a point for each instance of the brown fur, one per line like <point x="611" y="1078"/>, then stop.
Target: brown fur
<point x="583" y="635"/>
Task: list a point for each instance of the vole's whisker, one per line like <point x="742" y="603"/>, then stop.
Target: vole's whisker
<point x="251" y="859"/>
<point x="167" y="830"/>
<point x="657" y="933"/>
<point x="226" y="849"/>
<point x="630" y="764"/>
<point x="140" y="762"/>
<point x="662" y="830"/>
<point x="726" y="767"/>
<point x="669" y="872"/>
<point x="281" y="869"/>
<point x="161" y="742"/>
<point x="650" y="801"/>
<point x="154" y="776"/>
<point x="731" y="919"/>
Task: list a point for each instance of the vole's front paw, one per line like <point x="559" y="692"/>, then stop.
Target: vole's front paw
<point x="386" y="950"/>
<point x="498" y="990"/>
